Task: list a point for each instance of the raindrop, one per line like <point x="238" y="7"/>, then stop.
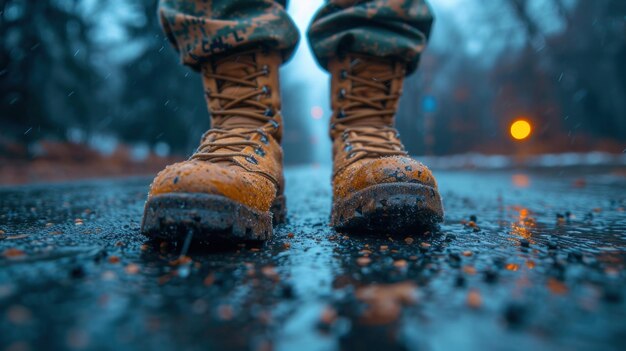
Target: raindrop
<point x="28" y="130"/>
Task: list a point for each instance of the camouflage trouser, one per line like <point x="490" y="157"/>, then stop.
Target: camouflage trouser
<point x="387" y="28"/>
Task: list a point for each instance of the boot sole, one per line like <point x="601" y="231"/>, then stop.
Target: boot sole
<point x="398" y="207"/>
<point x="212" y="218"/>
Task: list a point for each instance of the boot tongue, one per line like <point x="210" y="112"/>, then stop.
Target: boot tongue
<point x="374" y="71"/>
<point x="239" y="67"/>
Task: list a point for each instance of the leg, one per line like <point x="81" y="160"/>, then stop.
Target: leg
<point x="200" y="29"/>
<point x="381" y="28"/>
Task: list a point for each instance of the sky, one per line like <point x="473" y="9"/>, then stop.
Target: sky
<point x="303" y="69"/>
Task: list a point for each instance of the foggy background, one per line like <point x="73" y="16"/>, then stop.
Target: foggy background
<point x="100" y="75"/>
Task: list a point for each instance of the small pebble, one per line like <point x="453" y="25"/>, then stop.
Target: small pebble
<point x="287" y="291"/>
<point x="13" y="253"/>
<point x="612" y="294"/>
<point x="328" y="317"/>
<point x="459" y="281"/>
<point x="132" y="269"/>
<point x="512" y="267"/>
<point x="270" y="273"/>
<point x="474" y="300"/>
<point x="400" y="263"/>
<point x="575" y="256"/>
<point x="470" y="270"/>
<point x="363" y="261"/>
<point x="491" y="276"/>
<point x="77" y="272"/>
<point x="225" y="312"/>
<point x="209" y="279"/>
<point x="514" y="314"/>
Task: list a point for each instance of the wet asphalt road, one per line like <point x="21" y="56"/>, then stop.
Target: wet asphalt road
<point x="540" y="267"/>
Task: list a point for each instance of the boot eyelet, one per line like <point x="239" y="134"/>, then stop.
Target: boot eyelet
<point x="266" y="70"/>
<point x="252" y="160"/>
<point x="343" y="75"/>
<point x="342" y="93"/>
<point x="348" y="148"/>
<point x="341" y="114"/>
<point x="344" y="136"/>
<point x="259" y="151"/>
<point x="274" y="124"/>
<point x="350" y="155"/>
<point x="264" y="139"/>
<point x="398" y="135"/>
<point x="269" y="112"/>
<point x="332" y="126"/>
<point x="266" y="90"/>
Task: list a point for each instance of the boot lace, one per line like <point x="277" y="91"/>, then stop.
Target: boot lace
<point x="240" y="108"/>
<point x="375" y="138"/>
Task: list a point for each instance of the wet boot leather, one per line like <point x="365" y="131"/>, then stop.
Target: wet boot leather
<point x="231" y="188"/>
<point x="376" y="185"/>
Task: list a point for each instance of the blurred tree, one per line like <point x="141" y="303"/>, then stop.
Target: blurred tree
<point x="162" y="100"/>
<point x="47" y="78"/>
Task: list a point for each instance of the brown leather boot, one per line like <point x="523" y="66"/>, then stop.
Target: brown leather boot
<point x="232" y="186"/>
<point x="376" y="185"/>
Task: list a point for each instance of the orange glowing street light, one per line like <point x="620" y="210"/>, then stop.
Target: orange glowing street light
<point x="521" y="129"/>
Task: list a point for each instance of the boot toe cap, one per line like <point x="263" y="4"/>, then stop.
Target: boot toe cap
<point x="231" y="181"/>
<point x="385" y="170"/>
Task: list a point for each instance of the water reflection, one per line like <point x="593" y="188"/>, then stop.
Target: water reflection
<point x="523" y="225"/>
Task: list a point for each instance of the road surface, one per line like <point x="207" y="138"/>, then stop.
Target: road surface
<point x="526" y="260"/>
